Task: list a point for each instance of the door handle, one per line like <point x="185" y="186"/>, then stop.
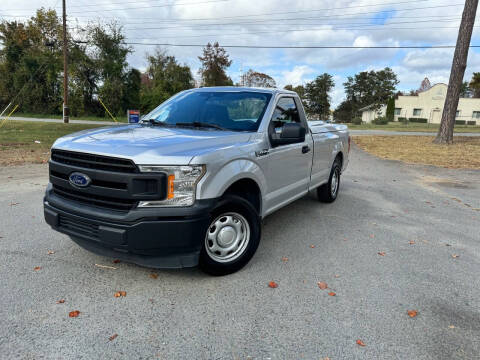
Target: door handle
<point x="305" y="149"/>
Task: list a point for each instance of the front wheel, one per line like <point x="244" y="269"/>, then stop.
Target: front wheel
<point x="232" y="237"/>
<point x="328" y="192"/>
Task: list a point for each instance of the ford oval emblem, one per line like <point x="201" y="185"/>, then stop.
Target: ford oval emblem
<point x="79" y="179"/>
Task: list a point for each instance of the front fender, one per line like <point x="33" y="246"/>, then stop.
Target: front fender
<point x="216" y="181"/>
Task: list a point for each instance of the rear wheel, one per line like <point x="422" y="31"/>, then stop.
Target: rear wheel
<point x="232" y="237"/>
<point x="328" y="192"/>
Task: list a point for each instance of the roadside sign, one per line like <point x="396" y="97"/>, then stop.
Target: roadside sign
<point x="133" y="116"/>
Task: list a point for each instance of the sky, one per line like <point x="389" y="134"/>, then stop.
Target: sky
<point x="284" y="23"/>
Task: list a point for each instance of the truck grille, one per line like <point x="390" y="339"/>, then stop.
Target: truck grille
<point x="78" y="227"/>
<point x="95" y="200"/>
<point x="91" y="161"/>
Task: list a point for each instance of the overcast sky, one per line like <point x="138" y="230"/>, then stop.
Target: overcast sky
<point x="286" y="23"/>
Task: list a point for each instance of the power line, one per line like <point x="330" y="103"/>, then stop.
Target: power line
<point x="305" y="47"/>
<point x="293" y="12"/>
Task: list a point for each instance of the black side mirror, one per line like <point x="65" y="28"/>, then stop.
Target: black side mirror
<point x="291" y="133"/>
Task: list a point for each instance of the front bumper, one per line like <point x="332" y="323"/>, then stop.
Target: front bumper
<point x="155" y="237"/>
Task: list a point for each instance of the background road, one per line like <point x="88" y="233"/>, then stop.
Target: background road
<point x="184" y="314"/>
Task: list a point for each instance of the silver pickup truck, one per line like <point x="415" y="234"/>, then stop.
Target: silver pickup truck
<point x="190" y="184"/>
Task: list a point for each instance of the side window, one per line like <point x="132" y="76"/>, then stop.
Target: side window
<point x="285" y="112"/>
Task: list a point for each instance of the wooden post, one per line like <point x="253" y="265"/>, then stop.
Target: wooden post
<point x="65" y="66"/>
<point x="459" y="64"/>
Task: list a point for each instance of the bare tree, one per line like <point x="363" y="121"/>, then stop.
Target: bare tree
<point x="445" y="133"/>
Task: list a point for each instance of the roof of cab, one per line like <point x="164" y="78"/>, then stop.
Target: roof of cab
<point x="240" y="89"/>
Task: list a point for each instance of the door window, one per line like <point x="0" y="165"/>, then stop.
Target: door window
<point x="285" y="112"/>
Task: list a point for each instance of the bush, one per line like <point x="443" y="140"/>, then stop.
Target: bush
<point x="459" y="122"/>
<point x="418" y="120"/>
<point x="471" y="122"/>
<point x="381" y="120"/>
<point x="357" y="121"/>
<point x="403" y="120"/>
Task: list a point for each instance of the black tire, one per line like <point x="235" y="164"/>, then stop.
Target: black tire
<point x="326" y="193"/>
<point x="231" y="204"/>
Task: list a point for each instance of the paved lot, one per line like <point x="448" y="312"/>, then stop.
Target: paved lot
<point x="184" y="314"/>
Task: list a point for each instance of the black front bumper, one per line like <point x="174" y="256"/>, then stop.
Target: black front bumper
<point x="156" y="237"/>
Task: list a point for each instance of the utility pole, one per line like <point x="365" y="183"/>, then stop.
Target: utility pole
<point x="459" y="64"/>
<point x="65" y="66"/>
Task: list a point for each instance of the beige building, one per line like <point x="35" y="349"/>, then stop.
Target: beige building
<point x="427" y="106"/>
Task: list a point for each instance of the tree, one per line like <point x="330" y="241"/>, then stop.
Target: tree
<point x="370" y="88"/>
<point x="475" y="84"/>
<point x="258" y="79"/>
<point x="459" y="64"/>
<point x="164" y="77"/>
<point x="425" y="85"/>
<point x="390" y="112"/>
<point x="344" y="112"/>
<point x="215" y="62"/>
<point x="110" y="55"/>
<point x="317" y="99"/>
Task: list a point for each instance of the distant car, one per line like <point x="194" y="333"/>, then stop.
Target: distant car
<point x="191" y="183"/>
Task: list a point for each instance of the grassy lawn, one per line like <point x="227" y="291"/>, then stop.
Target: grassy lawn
<point x="91" y="118"/>
<point x="396" y="126"/>
<point x="17" y="140"/>
<point x="463" y="154"/>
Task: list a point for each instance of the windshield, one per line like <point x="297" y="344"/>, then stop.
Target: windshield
<point x="238" y="111"/>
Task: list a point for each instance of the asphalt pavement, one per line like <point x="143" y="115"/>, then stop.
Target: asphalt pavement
<point x="399" y="238"/>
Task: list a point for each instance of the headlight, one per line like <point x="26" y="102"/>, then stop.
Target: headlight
<point x="181" y="184"/>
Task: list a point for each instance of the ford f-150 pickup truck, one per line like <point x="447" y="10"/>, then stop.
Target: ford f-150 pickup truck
<point x="190" y="184"/>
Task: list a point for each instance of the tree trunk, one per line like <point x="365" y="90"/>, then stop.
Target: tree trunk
<point x="445" y="132"/>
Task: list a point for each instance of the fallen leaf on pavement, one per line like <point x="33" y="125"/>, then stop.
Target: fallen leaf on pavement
<point x="381" y="253"/>
<point x="284" y="259"/>
<point x="412" y="313"/>
<point x="116" y="261"/>
<point x="332" y="293"/>
<point x="412" y="242"/>
<point x="448" y="245"/>
<point x="61" y="301"/>
<point x="455" y="256"/>
<point x="14" y="204"/>
<point x="74" y="313"/>
<point x="312" y="246"/>
<point x="112" y="337"/>
<point x="451" y="327"/>
<point x="273" y="284"/>
<point x="50" y="252"/>
<point x="36" y="268"/>
<point x="153" y="275"/>
<point x="372" y="236"/>
<point x="322" y="285"/>
<point x="105" y="267"/>
<point x="120" y="293"/>
<point x="360" y="342"/>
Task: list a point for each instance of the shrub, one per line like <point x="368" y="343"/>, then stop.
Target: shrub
<point x="381" y="120"/>
<point x="473" y="122"/>
<point x="459" y="122"/>
<point x="390" y="112"/>
<point x="418" y="120"/>
<point x="403" y="120"/>
<point x="357" y="120"/>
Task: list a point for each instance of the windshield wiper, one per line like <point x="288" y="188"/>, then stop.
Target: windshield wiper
<point x="201" y="124"/>
<point x="155" y="122"/>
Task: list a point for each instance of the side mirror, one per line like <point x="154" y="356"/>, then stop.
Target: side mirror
<point x="291" y="133"/>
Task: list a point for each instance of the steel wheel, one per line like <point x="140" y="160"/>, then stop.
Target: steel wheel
<point x="227" y="237"/>
<point x="334" y="182"/>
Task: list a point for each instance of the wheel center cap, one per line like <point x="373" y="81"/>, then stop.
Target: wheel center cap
<point x="226" y="236"/>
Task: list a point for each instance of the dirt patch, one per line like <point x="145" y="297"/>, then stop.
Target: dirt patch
<point x="463" y="154"/>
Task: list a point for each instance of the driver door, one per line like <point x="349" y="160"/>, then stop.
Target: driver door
<point x="288" y="167"/>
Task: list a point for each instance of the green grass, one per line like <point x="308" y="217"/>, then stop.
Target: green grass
<point x="91" y="118"/>
<point x="396" y="126"/>
<point x="17" y="140"/>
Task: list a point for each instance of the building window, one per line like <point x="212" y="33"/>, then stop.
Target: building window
<point x="457" y="114"/>
<point x="476" y="115"/>
<point x="398" y="111"/>
<point x="417" y="112"/>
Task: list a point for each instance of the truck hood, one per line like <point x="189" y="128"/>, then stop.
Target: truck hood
<point x="146" y="144"/>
